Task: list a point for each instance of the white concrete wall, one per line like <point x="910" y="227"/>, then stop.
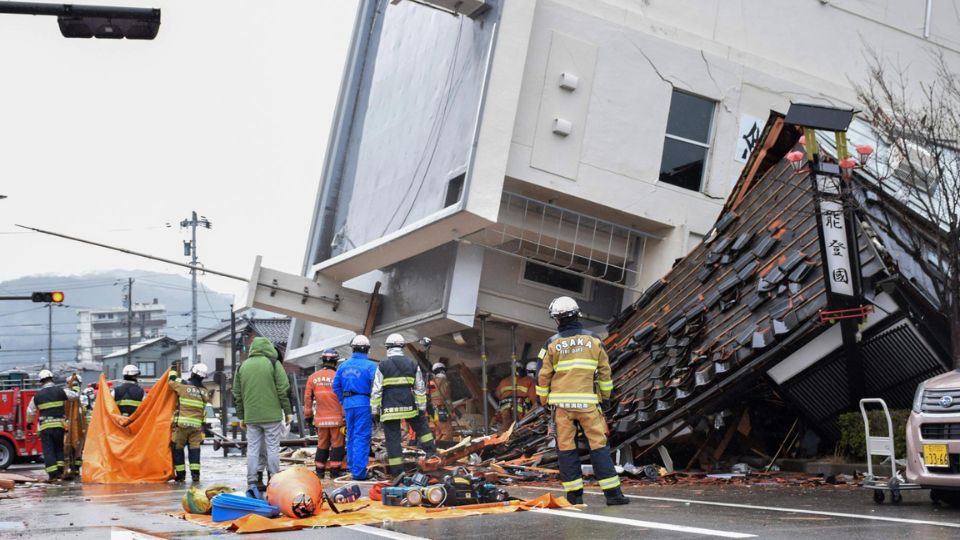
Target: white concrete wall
<point x="750" y="56"/>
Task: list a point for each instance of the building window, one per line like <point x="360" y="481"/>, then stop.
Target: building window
<point x="687" y="141"/>
<point x="147" y="369"/>
<point x="454" y="190"/>
<point x="551" y="276"/>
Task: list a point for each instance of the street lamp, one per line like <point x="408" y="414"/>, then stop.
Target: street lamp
<point x="104" y="22"/>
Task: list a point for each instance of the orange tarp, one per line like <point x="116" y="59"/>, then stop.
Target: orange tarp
<point x="130" y="450"/>
<point x="374" y="514"/>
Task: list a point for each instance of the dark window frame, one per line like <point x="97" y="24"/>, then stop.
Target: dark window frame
<point x="687" y="142"/>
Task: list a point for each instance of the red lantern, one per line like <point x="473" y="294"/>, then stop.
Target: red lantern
<point x="848" y="163"/>
<point x="796" y="159"/>
<point x="864" y="151"/>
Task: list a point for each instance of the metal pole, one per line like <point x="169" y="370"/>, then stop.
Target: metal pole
<point x="130" y="318"/>
<point x="513" y="367"/>
<point x="50" y="336"/>
<point x="233" y="362"/>
<point x="483" y="372"/>
<point x="193" y="287"/>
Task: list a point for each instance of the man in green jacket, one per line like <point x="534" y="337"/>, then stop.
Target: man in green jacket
<point x="260" y="392"/>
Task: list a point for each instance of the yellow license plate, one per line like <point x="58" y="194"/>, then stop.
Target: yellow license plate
<point x="935" y="455"/>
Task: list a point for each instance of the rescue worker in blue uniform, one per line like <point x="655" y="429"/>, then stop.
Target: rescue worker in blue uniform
<point x="49" y="402"/>
<point x="400" y="393"/>
<point x="353" y="384"/>
<point x="128" y="395"/>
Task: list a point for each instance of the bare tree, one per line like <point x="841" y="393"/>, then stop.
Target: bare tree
<point x="921" y="125"/>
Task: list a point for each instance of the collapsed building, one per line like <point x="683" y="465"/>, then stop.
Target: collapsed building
<point x="484" y="161"/>
<point x="745" y="319"/>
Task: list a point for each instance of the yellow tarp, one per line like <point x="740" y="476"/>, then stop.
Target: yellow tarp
<point x="374" y="514"/>
<point x="134" y="449"/>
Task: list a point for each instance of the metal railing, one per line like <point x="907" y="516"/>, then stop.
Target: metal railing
<point x="567" y="240"/>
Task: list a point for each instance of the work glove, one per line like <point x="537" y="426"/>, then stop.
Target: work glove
<point x="289" y="419"/>
<point x="243" y="425"/>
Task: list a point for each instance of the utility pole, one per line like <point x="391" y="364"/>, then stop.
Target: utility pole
<point x="50" y="336"/>
<point x="190" y="249"/>
<point x="130" y="318"/>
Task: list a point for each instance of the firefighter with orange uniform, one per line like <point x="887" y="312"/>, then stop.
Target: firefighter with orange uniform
<point x="525" y="392"/>
<point x="327" y="416"/>
<point x="574" y="380"/>
<point x="439" y="390"/>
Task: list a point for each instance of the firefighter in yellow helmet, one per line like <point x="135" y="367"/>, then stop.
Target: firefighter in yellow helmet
<point x="572" y="359"/>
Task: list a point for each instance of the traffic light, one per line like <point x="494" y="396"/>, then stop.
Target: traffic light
<point x="55" y="297"/>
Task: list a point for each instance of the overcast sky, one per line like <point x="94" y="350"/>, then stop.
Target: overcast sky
<point x="227" y="112"/>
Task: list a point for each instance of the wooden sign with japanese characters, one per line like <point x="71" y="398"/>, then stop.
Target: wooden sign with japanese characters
<point x="835" y="241"/>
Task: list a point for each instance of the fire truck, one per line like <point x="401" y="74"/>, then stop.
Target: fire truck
<point x="18" y="440"/>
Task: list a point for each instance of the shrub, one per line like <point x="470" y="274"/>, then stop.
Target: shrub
<point x="853" y="439"/>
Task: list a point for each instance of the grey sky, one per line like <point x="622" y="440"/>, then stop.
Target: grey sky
<point x="226" y="112"/>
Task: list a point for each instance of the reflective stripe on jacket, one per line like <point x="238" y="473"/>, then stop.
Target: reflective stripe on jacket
<point x="191" y="402"/>
<point x="128" y="396"/>
<point x="525" y="392"/>
<point x="319" y="390"/>
<point x="571" y="361"/>
<point x="398" y="388"/>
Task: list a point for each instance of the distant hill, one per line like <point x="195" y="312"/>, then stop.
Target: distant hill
<point x="23" y="325"/>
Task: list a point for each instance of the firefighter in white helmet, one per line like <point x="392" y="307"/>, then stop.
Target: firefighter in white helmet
<point x="192" y="399"/>
<point x="49" y="401"/>
<point x="353" y="384"/>
<point x="439" y="389"/>
<point x="128" y="394"/>
<point x="399" y="393"/>
<point x="572" y="360"/>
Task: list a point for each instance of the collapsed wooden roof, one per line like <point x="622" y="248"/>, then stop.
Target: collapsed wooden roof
<point x="743" y="300"/>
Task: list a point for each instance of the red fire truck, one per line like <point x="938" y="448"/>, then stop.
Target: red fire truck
<point x="18" y="440"/>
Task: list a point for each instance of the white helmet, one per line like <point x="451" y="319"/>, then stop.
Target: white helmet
<point x="395" y="340"/>
<point x="438" y="366"/>
<point x="200" y="370"/>
<point x="360" y="340"/>
<point x="563" y="307"/>
<point x="531" y="367"/>
<point x="131" y="370"/>
<point x="45" y="374"/>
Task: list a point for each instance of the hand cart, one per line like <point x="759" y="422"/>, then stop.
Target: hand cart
<point x="882" y="446"/>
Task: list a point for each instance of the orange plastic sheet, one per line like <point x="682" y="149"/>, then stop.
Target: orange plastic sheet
<point x="134" y="449"/>
<point x="375" y="513"/>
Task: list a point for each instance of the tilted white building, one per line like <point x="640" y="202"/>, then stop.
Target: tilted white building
<point x="484" y="164"/>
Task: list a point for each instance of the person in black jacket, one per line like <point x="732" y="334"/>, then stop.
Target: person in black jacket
<point x="47" y="406"/>
<point x="129" y="394"/>
<point x="399" y="393"/>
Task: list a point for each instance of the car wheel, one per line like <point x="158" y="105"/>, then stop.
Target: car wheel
<point x="946" y="496"/>
<point x="7" y="454"/>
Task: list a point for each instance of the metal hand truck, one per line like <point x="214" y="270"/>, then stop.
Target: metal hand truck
<point x="882" y="446"/>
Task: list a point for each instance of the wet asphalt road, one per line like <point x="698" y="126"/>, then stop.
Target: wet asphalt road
<point x="99" y="511"/>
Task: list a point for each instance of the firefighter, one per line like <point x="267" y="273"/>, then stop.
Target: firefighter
<point x="526" y="397"/>
<point x="192" y="399"/>
<point x="399" y="393"/>
<point x="129" y="394"/>
<point x="439" y="397"/>
<point x="48" y="404"/>
<point x="572" y="358"/>
<point x="328" y="416"/>
<point x="352" y="385"/>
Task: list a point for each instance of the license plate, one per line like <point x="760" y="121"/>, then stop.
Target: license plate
<point x="935" y="455"/>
